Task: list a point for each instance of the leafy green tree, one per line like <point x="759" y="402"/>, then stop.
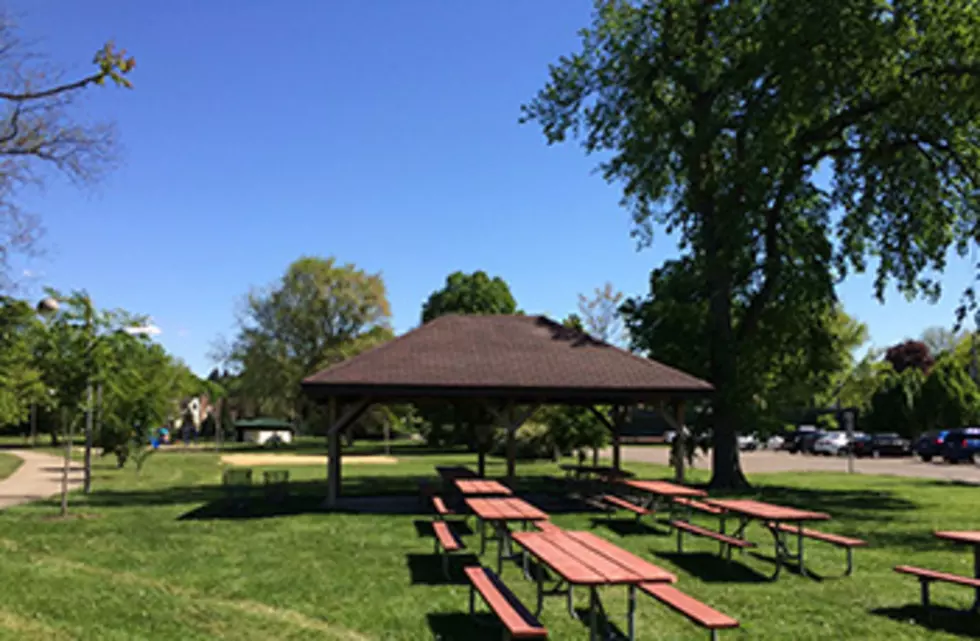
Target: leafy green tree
<point x="795" y="364"/>
<point x="715" y="118"/>
<point x="20" y="379"/>
<point x="318" y="314"/>
<point x="893" y="406"/>
<point x="949" y="398"/>
<point x="474" y="293"/>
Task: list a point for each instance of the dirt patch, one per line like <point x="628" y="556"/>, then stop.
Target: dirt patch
<point x="301" y="459"/>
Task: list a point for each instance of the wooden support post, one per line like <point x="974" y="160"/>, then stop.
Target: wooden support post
<point x="681" y="443"/>
<point x="333" y="455"/>
<point x="619" y="416"/>
<point x="511" y="453"/>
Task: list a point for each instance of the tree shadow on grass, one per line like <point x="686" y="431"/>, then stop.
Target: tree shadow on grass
<point x="850" y="505"/>
<point x="936" y="618"/>
<point x="794" y="568"/>
<point x="712" y="568"/>
<point x="426" y="569"/>
<point x="628" y="527"/>
<point x="461" y="626"/>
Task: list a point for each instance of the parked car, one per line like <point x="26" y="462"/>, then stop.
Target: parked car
<point x="930" y="445"/>
<point x="775" y="442"/>
<point x="962" y="445"/>
<point x="876" y="445"/>
<point x="804" y="441"/>
<point x="748" y="442"/>
<point x="831" y="444"/>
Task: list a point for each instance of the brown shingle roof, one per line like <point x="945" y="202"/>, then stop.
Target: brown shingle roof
<point x="530" y="358"/>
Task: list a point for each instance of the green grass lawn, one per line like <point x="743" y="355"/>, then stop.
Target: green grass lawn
<point x="8" y="464"/>
<point x="161" y="557"/>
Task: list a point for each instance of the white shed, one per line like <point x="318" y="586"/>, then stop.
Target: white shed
<point x="264" y="431"/>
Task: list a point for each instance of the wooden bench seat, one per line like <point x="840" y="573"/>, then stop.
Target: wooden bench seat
<point x="623" y="504"/>
<point x="926" y="577"/>
<point x="727" y="542"/>
<point x="826" y="537"/>
<point x="446" y="543"/>
<point x="442" y="511"/>
<point x="517" y="620"/>
<point x="699" y="613"/>
<point x="846" y="542"/>
<point x="700" y="506"/>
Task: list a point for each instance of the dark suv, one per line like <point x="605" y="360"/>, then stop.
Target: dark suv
<point x="930" y="445"/>
<point x="962" y="445"/>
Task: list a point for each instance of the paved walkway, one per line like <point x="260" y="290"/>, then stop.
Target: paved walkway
<point x="767" y="461"/>
<point x="37" y="478"/>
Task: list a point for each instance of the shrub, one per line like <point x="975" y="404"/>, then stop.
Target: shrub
<point x="532" y="440"/>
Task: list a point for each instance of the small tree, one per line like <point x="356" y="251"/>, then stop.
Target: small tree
<point x="949" y="398"/>
<point x="910" y="354"/>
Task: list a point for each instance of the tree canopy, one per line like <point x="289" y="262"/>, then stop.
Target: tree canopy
<point x="41" y="130"/>
<point x="318" y="314"/>
<point x="475" y="293"/>
<point x="783" y="144"/>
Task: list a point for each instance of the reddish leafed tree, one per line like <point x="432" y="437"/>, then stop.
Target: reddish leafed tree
<point x="914" y="354"/>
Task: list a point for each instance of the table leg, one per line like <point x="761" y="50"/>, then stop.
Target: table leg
<point x="593" y="614"/>
<point x="539" y="575"/>
<point x="570" y="596"/>
<point x="631" y="612"/>
<point x="483" y="535"/>
<point x="500" y="549"/>
<point x="799" y="548"/>
<point x="779" y="551"/>
<point x="976" y="573"/>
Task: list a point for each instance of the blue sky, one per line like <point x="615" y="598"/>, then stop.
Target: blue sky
<point x="382" y="132"/>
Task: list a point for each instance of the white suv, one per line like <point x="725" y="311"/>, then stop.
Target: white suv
<point x="832" y="443"/>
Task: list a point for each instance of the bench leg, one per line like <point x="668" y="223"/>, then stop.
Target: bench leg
<point x="799" y="549"/>
<point x="631" y="612"/>
<point x="472" y="600"/>
<point x="714" y="635"/>
<point x="924" y="589"/>
<point x="483" y="535"/>
<point x="721" y="546"/>
<point x="680" y="541"/>
<point x="850" y="561"/>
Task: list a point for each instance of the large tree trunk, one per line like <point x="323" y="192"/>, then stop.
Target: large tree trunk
<point x="725" y="466"/>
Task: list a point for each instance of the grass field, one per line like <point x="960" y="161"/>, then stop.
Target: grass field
<point x="8" y="464"/>
<point x="162" y="556"/>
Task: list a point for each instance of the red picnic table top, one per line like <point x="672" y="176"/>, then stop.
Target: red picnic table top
<point x="582" y="558"/>
<point x="505" y="509"/>
<point x="475" y="487"/>
<point x="962" y="536"/>
<point x="766" y="511"/>
<point x="664" y="488"/>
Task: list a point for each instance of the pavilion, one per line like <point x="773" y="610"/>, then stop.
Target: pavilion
<point x="510" y="365"/>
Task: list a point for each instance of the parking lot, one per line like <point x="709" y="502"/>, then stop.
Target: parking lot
<point x="780" y="461"/>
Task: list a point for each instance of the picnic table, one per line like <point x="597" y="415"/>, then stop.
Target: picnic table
<point x="659" y="491"/>
<point x="499" y="512"/>
<point x="971" y="538"/>
<point x="584" y="559"/>
<point x="770" y="515"/>
<point x="478" y="487"/>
